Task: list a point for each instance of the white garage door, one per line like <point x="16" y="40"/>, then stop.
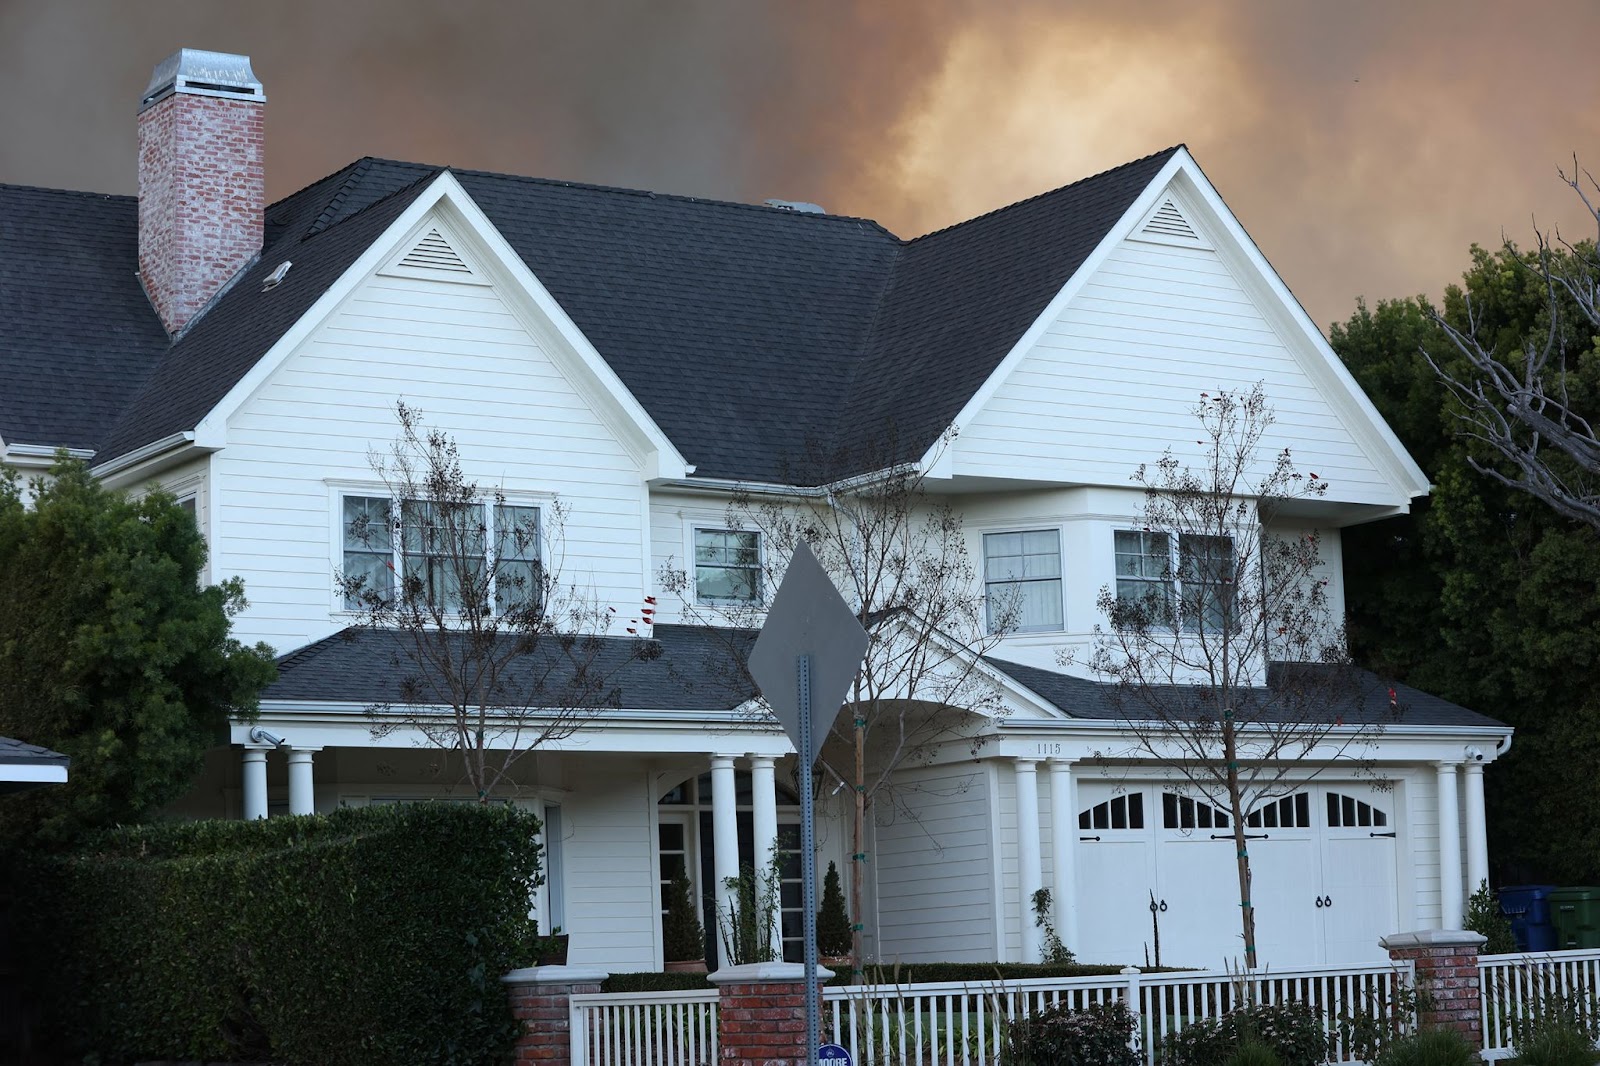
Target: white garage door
<point x="1156" y="867"/>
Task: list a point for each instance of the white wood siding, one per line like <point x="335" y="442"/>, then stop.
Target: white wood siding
<point x="610" y="856"/>
<point x="935" y="883"/>
<point x="458" y="354"/>
<point x="1113" y="380"/>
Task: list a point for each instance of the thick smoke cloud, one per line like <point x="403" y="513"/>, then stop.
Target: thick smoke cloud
<point x="1363" y="144"/>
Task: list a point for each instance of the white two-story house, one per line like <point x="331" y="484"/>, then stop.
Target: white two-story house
<point x="641" y="357"/>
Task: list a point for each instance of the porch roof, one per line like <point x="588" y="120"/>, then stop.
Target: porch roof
<point x="688" y="668"/>
<point x="1358" y="698"/>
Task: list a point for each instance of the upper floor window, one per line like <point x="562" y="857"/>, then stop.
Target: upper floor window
<point x="1022" y="580"/>
<point x="727" y="566"/>
<point x="1197" y="586"/>
<point x="442" y="551"/>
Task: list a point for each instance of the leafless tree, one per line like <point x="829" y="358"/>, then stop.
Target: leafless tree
<point x="1220" y="648"/>
<point x="1520" y="401"/>
<point x="493" y="654"/>
<point x="899" y="556"/>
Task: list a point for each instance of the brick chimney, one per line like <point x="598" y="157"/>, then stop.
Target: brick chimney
<point x="201" y="183"/>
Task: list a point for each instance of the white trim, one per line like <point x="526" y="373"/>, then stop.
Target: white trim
<point x="660" y="457"/>
<point x="33" y="773"/>
<point x="128" y="460"/>
<point x="998" y="528"/>
<point x="720" y="524"/>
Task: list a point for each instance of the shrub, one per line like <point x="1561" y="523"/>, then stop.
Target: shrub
<point x="376" y="935"/>
<point x="1555" y="1044"/>
<point x="1485" y="918"/>
<point x="1100" y="1035"/>
<point x="1291" y="1030"/>
<point x="1431" y="1047"/>
<point x="1252" y="1052"/>
<point x="834" y="935"/>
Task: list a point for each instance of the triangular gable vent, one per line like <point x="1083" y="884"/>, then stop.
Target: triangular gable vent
<point x="433" y="257"/>
<point x="433" y="252"/>
<point x="1169" y="226"/>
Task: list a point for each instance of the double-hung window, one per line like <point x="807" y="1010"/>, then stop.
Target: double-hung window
<point x="727" y="566"/>
<point x="1022" y="580"/>
<point x="441" y="551"/>
<point x="1195" y="590"/>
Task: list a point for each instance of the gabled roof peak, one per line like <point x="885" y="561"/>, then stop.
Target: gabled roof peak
<point x="1163" y="155"/>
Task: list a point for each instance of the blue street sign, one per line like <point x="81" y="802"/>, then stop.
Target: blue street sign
<point x="833" y="1053"/>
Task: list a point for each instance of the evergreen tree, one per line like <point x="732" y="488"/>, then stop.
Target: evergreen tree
<point x="833" y="921"/>
<point x="111" y="651"/>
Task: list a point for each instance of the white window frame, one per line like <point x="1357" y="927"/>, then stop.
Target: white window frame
<point x="1060" y="579"/>
<point x="339" y="491"/>
<point x="1174" y="582"/>
<point x="695" y="529"/>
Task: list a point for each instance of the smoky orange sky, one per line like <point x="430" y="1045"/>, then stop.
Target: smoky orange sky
<point x="1363" y="144"/>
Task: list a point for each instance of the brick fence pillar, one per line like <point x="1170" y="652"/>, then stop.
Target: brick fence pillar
<point x="540" y="998"/>
<point x="1447" y="977"/>
<point x="761" y="1014"/>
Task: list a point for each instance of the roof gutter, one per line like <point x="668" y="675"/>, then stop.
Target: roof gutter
<point x="39" y="455"/>
<point x="140" y="454"/>
<point x="808" y="492"/>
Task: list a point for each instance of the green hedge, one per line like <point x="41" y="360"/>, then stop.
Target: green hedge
<point x="373" y="935"/>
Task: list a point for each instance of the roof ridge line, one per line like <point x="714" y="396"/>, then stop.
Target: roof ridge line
<point x="647" y="193"/>
<point x="70" y="192"/>
<point x="1048" y="192"/>
<point x="385" y="198"/>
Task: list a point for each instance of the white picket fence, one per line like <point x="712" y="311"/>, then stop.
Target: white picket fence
<point x="962" y="1023"/>
<point x="644" y="1028"/>
<point x="1514" y="986"/>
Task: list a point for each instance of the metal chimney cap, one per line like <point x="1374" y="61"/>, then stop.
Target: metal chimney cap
<point x="200" y="73"/>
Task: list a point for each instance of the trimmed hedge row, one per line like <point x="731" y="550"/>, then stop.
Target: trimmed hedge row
<point x="372" y="935"/>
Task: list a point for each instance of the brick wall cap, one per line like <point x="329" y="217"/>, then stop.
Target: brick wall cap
<point x="761" y="973"/>
<point x="555" y="975"/>
<point x="1433" y="938"/>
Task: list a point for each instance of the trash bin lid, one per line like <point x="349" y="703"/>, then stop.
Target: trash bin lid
<point x="1580" y="892"/>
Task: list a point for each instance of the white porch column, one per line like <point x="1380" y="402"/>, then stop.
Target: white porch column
<point x="764" y="821"/>
<point x="255" y="782"/>
<point x="1029" y="877"/>
<point x="1063" y="850"/>
<point x="724" y="845"/>
<point x="1477" y="834"/>
<point x="1451" y="906"/>
<point x="302" y="794"/>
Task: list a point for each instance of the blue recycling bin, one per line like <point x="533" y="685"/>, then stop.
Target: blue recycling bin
<point x="1528" y="907"/>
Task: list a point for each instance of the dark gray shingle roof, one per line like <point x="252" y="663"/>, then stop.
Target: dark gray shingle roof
<point x="77" y="335"/>
<point x="691" y="668"/>
<point x="1357" y="696"/>
<point x="753" y="336"/>
<point x="17" y="751"/>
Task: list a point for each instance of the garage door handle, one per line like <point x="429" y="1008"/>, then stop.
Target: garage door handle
<point x="1154" y="906"/>
<point x="1247" y="836"/>
<point x="1390" y="835"/>
<point x="1088" y="838"/>
<point x="1324" y="901"/>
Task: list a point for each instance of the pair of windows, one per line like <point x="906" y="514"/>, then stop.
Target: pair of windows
<point x="1192" y="587"/>
<point x="455" y="554"/>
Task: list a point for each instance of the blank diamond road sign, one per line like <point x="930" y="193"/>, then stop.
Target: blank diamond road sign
<point x="808" y="616"/>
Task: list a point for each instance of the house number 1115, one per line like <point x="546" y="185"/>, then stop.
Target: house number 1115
<point x="1050" y="749"/>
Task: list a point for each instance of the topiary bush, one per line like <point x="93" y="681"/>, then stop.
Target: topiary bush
<point x="834" y="935"/>
<point x="1100" y="1035"/>
<point x="1431" y="1047"/>
<point x="682" y="937"/>
<point x="1292" y="1031"/>
<point x="373" y="935"/>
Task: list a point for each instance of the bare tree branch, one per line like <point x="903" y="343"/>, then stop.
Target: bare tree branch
<point x="494" y="654"/>
<point x="1210" y="596"/>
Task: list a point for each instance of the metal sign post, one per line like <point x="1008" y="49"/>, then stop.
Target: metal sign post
<point x="812" y="632"/>
<point x="808" y="860"/>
